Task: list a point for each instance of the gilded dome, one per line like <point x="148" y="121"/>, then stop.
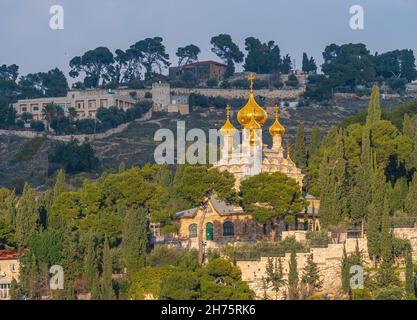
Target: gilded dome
<point x="252" y="126"/>
<point x="252" y="108"/>
<point x="277" y="129"/>
<point x="228" y="128"/>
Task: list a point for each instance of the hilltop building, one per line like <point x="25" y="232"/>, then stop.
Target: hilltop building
<point x="224" y="223"/>
<point x="199" y="71"/>
<point x="165" y="101"/>
<point x="85" y="103"/>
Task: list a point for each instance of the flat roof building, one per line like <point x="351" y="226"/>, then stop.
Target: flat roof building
<point x="85" y="103"/>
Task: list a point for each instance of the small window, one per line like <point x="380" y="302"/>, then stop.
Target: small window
<point x="228" y="229"/>
<point x="192" y="230"/>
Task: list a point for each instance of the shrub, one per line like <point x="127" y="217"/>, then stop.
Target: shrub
<point x="38" y="126"/>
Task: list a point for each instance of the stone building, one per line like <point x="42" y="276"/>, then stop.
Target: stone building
<point x="224" y="223"/>
<point x="84" y="102"/>
<point x="9" y="270"/>
<point x="164" y="101"/>
<point x="199" y="71"/>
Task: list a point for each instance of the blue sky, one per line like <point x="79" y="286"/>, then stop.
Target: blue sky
<point x="296" y="25"/>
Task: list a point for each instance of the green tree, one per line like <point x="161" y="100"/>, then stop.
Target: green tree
<point x="293" y="276"/>
<point x="410" y="204"/>
<point x="228" y="51"/>
<point x="271" y="196"/>
<point x="275" y="275"/>
<point x="94" y="64"/>
<point x="107" y="277"/>
<point x="299" y="151"/>
<point x="311" y="276"/>
<point x="374" y="108"/>
<point x="187" y="54"/>
<point x="60" y="184"/>
<point x="135" y="239"/>
<point x="90" y="264"/>
<point x="375" y="210"/>
<point x="27" y="216"/>
<point x="409" y="278"/>
<point x="153" y="55"/>
<point x="386" y="272"/>
<point x="333" y="185"/>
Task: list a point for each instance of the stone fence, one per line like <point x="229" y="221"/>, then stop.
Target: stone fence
<point x="287" y="94"/>
<point x="80" y="137"/>
<point x="327" y="259"/>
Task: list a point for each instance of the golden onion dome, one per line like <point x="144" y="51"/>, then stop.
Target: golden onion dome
<point x="228" y="128"/>
<point x="252" y="108"/>
<point x="277" y="129"/>
<point x="252" y="126"/>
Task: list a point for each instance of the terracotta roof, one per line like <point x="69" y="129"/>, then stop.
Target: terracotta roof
<point x="5" y="255"/>
<point x="204" y="63"/>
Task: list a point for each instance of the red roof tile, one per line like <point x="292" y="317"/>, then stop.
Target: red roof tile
<point x="5" y="255"/>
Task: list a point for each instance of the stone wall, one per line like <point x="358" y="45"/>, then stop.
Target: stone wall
<point x="288" y="94"/>
<point x="328" y="260"/>
<point x="80" y="137"/>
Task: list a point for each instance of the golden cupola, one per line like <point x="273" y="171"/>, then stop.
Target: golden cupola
<point x="277" y="129"/>
<point x="228" y="129"/>
<point x="252" y="109"/>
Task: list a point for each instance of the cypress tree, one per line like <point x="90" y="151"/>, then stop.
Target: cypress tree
<point x="122" y="167"/>
<point x="311" y="275"/>
<point x="374" y="108"/>
<point x="409" y="277"/>
<point x="409" y="126"/>
<point x="60" y="184"/>
<point x="315" y="142"/>
<point x="293" y="276"/>
<point x="275" y="275"/>
<point x="345" y="272"/>
<point x="375" y="210"/>
<point x="70" y="262"/>
<point x="410" y="204"/>
<point x="299" y="152"/>
<point x="386" y="276"/>
<point x="15" y="293"/>
<point x="107" y="278"/>
<point x="306" y="63"/>
<point x="27" y="216"/>
<point x="135" y="239"/>
<point x="333" y="185"/>
<point x="90" y="264"/>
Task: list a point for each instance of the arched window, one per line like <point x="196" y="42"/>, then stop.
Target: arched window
<point x="209" y="231"/>
<point x="228" y="229"/>
<point x="192" y="230"/>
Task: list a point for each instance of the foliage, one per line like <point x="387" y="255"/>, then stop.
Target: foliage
<point x="271" y="196"/>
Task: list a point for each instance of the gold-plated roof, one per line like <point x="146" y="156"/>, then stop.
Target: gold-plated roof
<point x="277" y="129"/>
<point x="252" y="126"/>
<point x="252" y="108"/>
<point x="228" y="128"/>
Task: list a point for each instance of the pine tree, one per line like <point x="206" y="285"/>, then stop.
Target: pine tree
<point x="107" y="277"/>
<point x="410" y="204"/>
<point x="409" y="277"/>
<point x="96" y="289"/>
<point x="60" y="184"/>
<point x="293" y="276"/>
<point x="311" y="275"/>
<point x="299" y="152"/>
<point x="135" y="239"/>
<point x="27" y="216"/>
<point x="374" y="108"/>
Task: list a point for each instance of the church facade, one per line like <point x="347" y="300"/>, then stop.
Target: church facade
<point x="244" y="155"/>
